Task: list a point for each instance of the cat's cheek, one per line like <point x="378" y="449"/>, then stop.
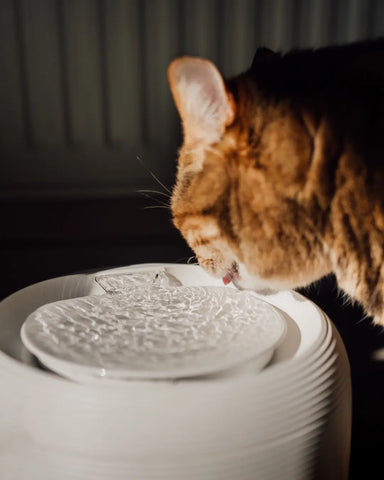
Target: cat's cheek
<point x="247" y="281"/>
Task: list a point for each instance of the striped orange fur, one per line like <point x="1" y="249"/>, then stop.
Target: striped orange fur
<point x="280" y="177"/>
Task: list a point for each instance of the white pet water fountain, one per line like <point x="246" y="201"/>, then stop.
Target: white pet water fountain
<point x="157" y="371"/>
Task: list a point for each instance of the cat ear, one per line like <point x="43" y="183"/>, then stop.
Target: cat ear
<point x="204" y="105"/>
<point x="262" y="55"/>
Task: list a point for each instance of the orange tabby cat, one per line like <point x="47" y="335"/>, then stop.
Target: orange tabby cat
<point x="280" y="177"/>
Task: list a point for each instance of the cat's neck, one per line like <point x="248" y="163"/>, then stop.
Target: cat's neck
<point x="355" y="236"/>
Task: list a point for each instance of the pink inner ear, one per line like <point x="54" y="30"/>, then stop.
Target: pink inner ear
<point x="201" y="98"/>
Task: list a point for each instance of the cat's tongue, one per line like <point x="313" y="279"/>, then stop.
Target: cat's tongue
<point x="233" y="274"/>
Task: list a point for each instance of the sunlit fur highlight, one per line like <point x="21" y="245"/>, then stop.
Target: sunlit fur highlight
<point x="293" y="188"/>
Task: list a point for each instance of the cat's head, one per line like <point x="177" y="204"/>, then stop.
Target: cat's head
<point x="242" y="180"/>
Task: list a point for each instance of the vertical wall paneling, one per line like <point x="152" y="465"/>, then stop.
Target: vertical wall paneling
<point x="199" y="28"/>
<point x="83" y="72"/>
<point x="357" y="20"/>
<point x="277" y="24"/>
<point x="83" y="82"/>
<point x="256" y="24"/>
<point x="161" y="46"/>
<point x="43" y="74"/>
<point x="351" y="20"/>
<point x="238" y="36"/>
<point x="122" y="62"/>
<point x="314" y="25"/>
<point x="377" y="18"/>
<point x="12" y="119"/>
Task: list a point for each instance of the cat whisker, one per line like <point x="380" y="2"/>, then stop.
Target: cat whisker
<point x="190" y="259"/>
<point x="156" y="206"/>
<point x="154" y="176"/>
<point x="156" y="200"/>
<point x="155" y="191"/>
<point x="181" y="259"/>
<point x="187" y="260"/>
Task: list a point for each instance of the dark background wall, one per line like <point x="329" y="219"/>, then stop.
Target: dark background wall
<point x="86" y="115"/>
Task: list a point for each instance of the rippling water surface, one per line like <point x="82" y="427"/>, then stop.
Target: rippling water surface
<point x="148" y="323"/>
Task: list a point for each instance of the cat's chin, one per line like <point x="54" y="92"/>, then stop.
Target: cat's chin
<point x="246" y="281"/>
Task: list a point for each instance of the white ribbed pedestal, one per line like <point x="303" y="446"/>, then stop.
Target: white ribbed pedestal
<point x="290" y="421"/>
